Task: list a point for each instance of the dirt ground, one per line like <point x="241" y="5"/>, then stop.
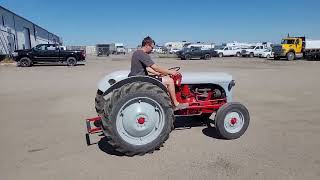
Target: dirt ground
<point x="43" y="109"/>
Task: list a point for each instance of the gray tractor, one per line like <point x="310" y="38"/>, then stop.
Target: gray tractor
<point x="136" y="113"/>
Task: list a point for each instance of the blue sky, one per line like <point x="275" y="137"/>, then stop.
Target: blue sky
<point x="100" y="21"/>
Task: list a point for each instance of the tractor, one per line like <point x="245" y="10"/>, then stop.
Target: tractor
<point x="136" y="113"/>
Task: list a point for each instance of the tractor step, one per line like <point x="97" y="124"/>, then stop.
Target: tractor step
<point x="96" y="122"/>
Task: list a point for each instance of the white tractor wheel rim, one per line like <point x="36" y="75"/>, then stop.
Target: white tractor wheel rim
<point x="233" y="122"/>
<point x="140" y="121"/>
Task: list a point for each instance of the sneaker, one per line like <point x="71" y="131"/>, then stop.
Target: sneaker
<point x="181" y="106"/>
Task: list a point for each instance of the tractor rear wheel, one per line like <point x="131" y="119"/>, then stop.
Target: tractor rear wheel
<point x="138" y="118"/>
<point x="99" y="102"/>
<point x="232" y="120"/>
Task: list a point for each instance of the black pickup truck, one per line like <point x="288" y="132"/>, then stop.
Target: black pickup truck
<point x="48" y="53"/>
<point x="196" y="52"/>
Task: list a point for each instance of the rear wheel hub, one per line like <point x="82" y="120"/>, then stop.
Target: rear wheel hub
<point x="140" y="120"/>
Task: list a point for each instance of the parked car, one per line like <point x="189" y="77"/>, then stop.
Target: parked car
<point x="48" y="53"/>
<point x="174" y="51"/>
<point x="159" y="50"/>
<point x="228" y="51"/>
<point x="266" y="54"/>
<point x="196" y="52"/>
<point x="253" y="51"/>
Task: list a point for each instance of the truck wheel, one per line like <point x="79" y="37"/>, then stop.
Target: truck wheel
<point x="290" y="56"/>
<point x="220" y="55"/>
<point x="232" y="120"/>
<point x="187" y="57"/>
<point x="207" y="57"/>
<point x="268" y="56"/>
<point x="251" y="55"/>
<point x="138" y="119"/>
<point x="25" y="62"/>
<point x="71" y="61"/>
<point x="238" y="54"/>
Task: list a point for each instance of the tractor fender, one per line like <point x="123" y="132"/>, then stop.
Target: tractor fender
<point x="119" y="78"/>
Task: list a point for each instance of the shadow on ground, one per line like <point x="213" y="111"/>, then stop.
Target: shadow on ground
<point x="55" y="64"/>
<point x="181" y="123"/>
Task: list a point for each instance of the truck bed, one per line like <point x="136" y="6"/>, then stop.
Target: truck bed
<point x="312" y="44"/>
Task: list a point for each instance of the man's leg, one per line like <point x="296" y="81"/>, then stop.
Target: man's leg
<point x="172" y="92"/>
<point x="168" y="82"/>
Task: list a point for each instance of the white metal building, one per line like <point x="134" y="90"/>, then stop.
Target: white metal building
<point x="17" y="32"/>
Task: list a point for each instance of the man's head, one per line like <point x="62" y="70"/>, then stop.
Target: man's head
<point x="148" y="44"/>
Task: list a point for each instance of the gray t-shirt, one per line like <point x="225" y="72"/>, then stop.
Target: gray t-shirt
<point x="139" y="62"/>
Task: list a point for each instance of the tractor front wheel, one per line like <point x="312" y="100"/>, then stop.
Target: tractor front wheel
<point x="232" y="120"/>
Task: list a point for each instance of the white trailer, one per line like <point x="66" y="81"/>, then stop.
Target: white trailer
<point x="202" y="46"/>
<point x="312" y="44"/>
<point x="175" y="45"/>
<point x="312" y="49"/>
<point x="117" y="48"/>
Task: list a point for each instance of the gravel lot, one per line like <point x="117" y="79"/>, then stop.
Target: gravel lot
<point x="43" y="109"/>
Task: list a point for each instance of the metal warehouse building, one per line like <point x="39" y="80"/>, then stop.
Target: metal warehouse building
<point x="17" y="32"/>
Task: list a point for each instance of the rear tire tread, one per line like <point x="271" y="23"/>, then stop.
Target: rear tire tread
<point x="125" y="91"/>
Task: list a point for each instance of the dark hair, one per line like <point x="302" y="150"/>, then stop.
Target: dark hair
<point x="147" y="40"/>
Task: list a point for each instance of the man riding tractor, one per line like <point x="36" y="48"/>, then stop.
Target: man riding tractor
<point x="142" y="65"/>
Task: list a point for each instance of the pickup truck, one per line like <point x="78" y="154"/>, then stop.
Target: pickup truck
<point x="48" y="53"/>
<point x="196" y="52"/>
<point x="228" y="51"/>
<point x="253" y="51"/>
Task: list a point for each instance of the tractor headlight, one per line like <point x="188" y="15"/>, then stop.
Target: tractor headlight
<point x="111" y="81"/>
<point x="231" y="84"/>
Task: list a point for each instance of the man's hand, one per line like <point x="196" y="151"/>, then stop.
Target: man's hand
<point x="164" y="71"/>
<point x="173" y="72"/>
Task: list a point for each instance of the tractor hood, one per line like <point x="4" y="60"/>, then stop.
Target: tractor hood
<point x="222" y="79"/>
<point x="205" y="78"/>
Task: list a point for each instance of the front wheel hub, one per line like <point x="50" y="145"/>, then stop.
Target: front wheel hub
<point x="233" y="122"/>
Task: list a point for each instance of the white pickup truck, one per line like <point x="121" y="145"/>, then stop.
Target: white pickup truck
<point x="253" y="51"/>
<point x="228" y="51"/>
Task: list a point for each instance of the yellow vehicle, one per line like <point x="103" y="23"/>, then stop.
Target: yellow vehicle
<point x="291" y="48"/>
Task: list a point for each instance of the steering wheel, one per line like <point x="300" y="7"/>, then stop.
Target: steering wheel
<point x="175" y="68"/>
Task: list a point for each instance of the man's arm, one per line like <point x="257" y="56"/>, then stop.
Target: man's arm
<point x="153" y="72"/>
<point x="162" y="70"/>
